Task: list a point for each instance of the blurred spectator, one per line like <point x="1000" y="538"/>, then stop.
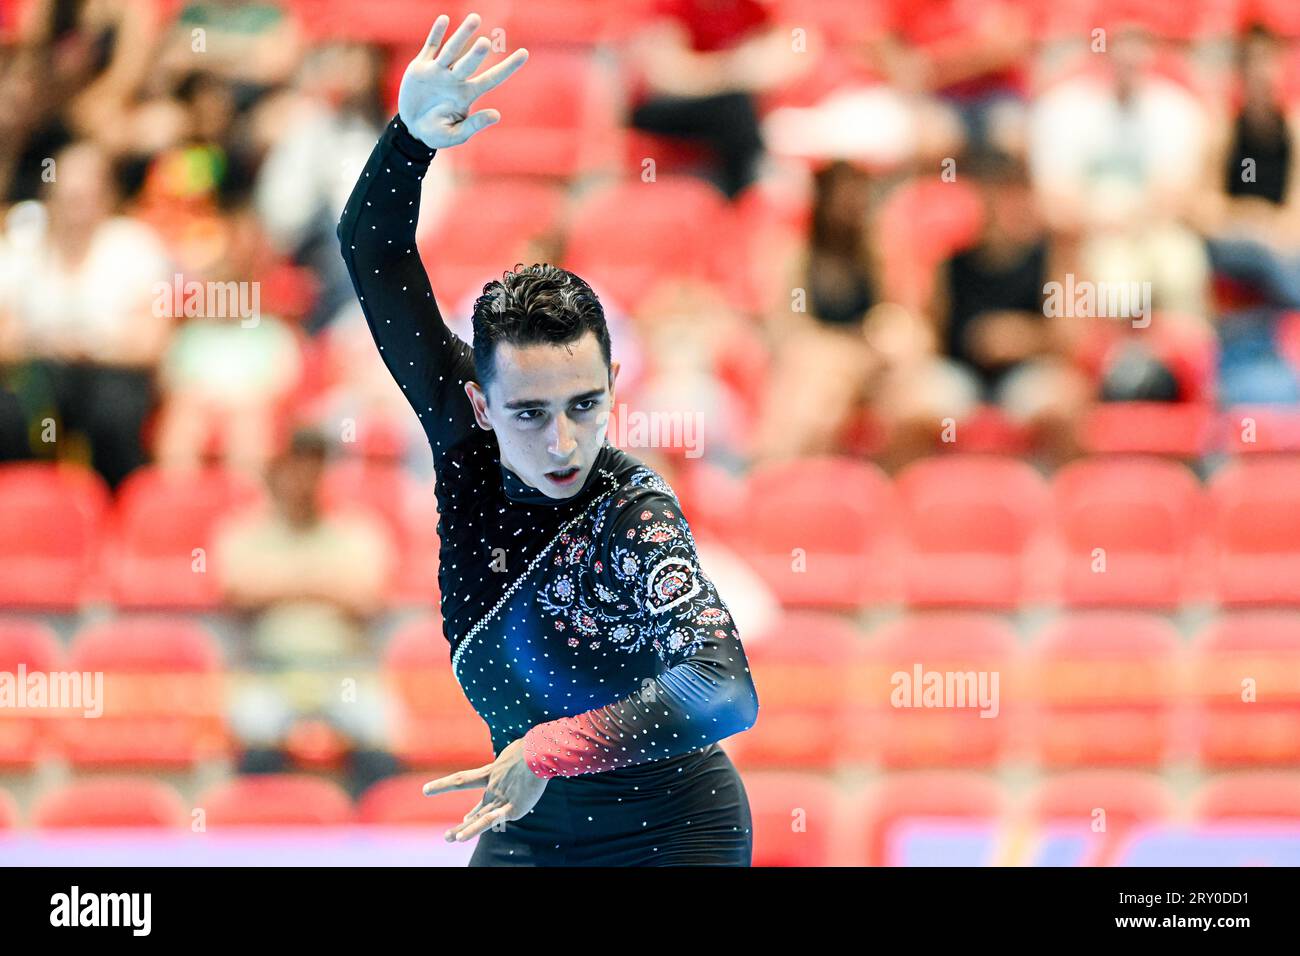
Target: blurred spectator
<point x="76" y="75"/>
<point x="81" y="287"/>
<point x="310" y="582"/>
<point x="1116" y="155"/>
<point x="253" y="46"/>
<point x="29" y="134"/>
<point x="361" y="388"/>
<point x="324" y="136"/>
<point x="989" y="304"/>
<point x="818" y="325"/>
<point x="230" y="369"/>
<point x="1251" y="205"/>
<point x="970" y="55"/>
<point x="690" y="330"/>
<point x="697" y="68"/>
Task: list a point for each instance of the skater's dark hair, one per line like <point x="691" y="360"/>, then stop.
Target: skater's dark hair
<point x="535" y="305"/>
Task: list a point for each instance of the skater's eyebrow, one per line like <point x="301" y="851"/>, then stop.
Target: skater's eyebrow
<point x="538" y="403"/>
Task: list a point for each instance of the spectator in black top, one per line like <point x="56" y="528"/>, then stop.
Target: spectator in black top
<point x="1250" y="210"/>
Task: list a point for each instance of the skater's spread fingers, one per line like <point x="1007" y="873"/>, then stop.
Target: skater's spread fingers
<point x="468" y="63"/>
<point x="456" y="43"/>
<point x="435" y="37"/>
<point x="497" y="74"/>
<point x="461" y="780"/>
<point x="459" y="830"/>
<point x="488" y="819"/>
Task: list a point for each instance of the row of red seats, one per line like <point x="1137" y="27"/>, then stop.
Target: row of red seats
<point x="985" y="531"/>
<point x="837" y="826"/>
<point x="65" y="541"/>
<point x="1094" y="688"/>
<point x="956" y="530"/>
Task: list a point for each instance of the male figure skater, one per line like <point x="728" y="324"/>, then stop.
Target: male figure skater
<point x="582" y="628"/>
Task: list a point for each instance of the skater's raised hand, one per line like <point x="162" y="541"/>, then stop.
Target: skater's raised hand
<point x="439" y="85"/>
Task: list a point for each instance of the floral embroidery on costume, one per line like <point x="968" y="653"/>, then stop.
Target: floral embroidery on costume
<point x="652" y="570"/>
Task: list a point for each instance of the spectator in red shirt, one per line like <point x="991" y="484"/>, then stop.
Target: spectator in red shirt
<point x="969" y="54"/>
<point x="697" y="68"/>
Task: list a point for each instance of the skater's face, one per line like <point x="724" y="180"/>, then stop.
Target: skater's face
<point x="549" y="406"/>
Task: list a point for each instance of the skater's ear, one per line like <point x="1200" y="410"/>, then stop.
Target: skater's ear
<point x="478" y="402"/>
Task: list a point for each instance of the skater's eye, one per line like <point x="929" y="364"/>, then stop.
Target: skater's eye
<point x="535" y="414"/>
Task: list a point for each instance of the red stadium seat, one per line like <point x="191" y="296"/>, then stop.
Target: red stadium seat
<point x="970" y="521"/>
<point x="990" y="430"/>
<point x="796" y="818"/>
<point x="954" y="796"/>
<point x="1256" y="505"/>
<point x="8" y="811"/>
<point x="1107" y="804"/>
<point x="534" y="24"/>
<point x="712" y="498"/>
<point x="111" y="802"/>
<point x="51" y="518"/>
<point x="32" y="645"/>
<point x="275" y="800"/>
<point x="160" y="517"/>
<point x="1184" y="22"/>
<point x="163" y="694"/>
<point x="911" y="736"/>
<point x="1106" y="683"/>
<point x="1144" y="514"/>
<point x="401" y="801"/>
<point x="923" y="222"/>
<point x="1181" y="342"/>
<point x="672" y="155"/>
<point x="1280" y="16"/>
<point x="1256" y="797"/>
<point x="404" y="23"/>
<point x="561" y="123"/>
<point x="437" y="726"/>
<point x="1129" y="798"/>
<point x="1246" y="688"/>
<point x="1254" y="429"/>
<point x="416" y="581"/>
<point x="626" y="237"/>
<point x="1180" y="429"/>
<point x="515" y="220"/>
<point x="803" y="673"/>
<point x="1183" y="428"/>
<point x="842" y="23"/>
<point x="820" y="532"/>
